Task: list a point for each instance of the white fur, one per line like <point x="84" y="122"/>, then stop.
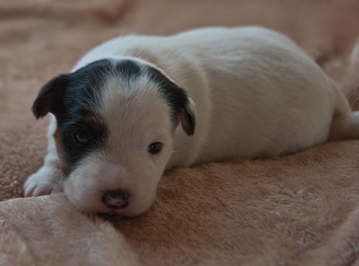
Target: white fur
<point x="254" y="91"/>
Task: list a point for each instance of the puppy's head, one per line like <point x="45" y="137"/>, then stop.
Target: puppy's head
<point x="115" y="122"/>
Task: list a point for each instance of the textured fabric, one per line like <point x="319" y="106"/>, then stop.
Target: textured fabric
<point x="300" y="209"/>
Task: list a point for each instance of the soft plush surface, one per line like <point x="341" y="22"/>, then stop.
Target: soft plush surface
<point x="300" y="209"/>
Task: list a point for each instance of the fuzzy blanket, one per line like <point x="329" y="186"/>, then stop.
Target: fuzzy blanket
<point x="300" y="209"/>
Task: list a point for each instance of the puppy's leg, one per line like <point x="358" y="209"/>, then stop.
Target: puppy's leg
<point x="345" y="124"/>
<point x="49" y="177"/>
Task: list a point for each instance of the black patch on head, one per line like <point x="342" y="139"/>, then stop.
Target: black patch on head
<point x="177" y="99"/>
<point x="128" y="69"/>
<point x="81" y="87"/>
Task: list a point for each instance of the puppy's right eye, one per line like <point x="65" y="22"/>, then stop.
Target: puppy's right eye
<point x="82" y="137"/>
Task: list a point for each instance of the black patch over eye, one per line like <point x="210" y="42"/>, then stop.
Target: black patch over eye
<point x="82" y="137"/>
<point x="155" y="147"/>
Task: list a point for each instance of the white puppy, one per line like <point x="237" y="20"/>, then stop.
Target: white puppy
<point x="236" y="92"/>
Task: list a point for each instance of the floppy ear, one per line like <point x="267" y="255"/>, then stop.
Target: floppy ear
<point x="183" y="109"/>
<point x="48" y="96"/>
<point x="188" y="116"/>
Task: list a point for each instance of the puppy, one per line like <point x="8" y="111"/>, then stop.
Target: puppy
<point x="138" y="105"/>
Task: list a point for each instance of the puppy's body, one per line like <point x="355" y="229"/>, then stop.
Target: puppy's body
<point x="256" y="93"/>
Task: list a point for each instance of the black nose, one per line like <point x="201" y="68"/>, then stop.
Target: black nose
<point x="116" y="199"/>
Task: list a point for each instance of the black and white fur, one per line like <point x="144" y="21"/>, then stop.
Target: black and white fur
<point x="138" y="105"/>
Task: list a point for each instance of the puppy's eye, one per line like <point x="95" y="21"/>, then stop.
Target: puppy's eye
<point x="82" y="137"/>
<point x="155" y="147"/>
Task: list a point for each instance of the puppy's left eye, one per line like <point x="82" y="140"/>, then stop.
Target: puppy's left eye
<point x="82" y="137"/>
<point x="155" y="147"/>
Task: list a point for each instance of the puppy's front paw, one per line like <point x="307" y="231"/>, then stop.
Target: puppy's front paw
<point x="43" y="182"/>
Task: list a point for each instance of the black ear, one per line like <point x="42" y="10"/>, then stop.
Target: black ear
<point x="182" y="106"/>
<point x="48" y="96"/>
<point x="188" y="116"/>
<point x="183" y="109"/>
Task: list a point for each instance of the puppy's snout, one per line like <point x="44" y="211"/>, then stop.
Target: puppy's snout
<point x="116" y="199"/>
